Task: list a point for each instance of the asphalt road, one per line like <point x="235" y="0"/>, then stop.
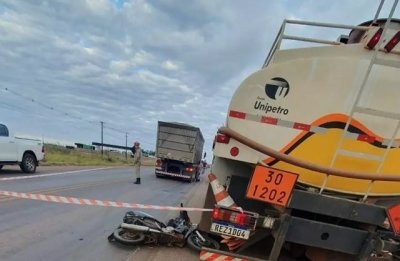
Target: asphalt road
<point x="37" y="230"/>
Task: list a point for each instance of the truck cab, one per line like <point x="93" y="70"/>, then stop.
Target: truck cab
<point x="311" y="146"/>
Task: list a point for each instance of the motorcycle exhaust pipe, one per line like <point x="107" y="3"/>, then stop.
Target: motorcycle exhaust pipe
<point x="139" y="228"/>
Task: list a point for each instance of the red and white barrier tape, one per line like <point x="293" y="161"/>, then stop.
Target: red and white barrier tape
<point x="93" y="202"/>
<point x="209" y="256"/>
<point x="51" y="174"/>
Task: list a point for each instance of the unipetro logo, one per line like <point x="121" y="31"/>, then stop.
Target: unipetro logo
<point x="277" y="88"/>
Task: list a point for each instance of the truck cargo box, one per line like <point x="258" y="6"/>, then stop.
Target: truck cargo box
<point x="179" y="141"/>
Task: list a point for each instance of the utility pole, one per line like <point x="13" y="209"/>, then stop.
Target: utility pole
<point x="126" y="146"/>
<point x="102" y="126"/>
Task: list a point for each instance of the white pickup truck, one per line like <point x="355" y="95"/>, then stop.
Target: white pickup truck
<point x="25" y="152"/>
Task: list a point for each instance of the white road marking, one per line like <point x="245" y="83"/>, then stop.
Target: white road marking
<point x="53" y="174"/>
<point x="133" y="253"/>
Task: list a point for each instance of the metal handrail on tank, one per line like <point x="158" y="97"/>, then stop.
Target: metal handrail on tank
<point x="378" y="11"/>
<point x="282" y="36"/>
<point x="358" y="97"/>
<point x="276" y="46"/>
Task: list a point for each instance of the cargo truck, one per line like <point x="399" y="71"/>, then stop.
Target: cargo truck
<point x="310" y="150"/>
<point x="179" y="150"/>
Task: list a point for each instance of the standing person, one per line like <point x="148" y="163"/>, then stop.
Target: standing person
<point x="137" y="157"/>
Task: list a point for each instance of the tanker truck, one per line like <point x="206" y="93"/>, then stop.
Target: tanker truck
<point x="309" y="153"/>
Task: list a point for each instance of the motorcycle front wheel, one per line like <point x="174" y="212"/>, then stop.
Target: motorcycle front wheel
<point x="195" y="242"/>
<point x="128" y="237"/>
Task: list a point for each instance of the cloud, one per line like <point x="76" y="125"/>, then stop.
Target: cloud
<point x="99" y="7"/>
<point x="169" y="65"/>
<point x="141" y="58"/>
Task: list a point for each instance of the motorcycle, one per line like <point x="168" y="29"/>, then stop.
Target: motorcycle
<point x="141" y="228"/>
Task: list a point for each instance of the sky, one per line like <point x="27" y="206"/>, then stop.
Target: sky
<point x="67" y="65"/>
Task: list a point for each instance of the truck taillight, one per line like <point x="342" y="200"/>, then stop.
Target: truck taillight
<point x="375" y="38"/>
<point x="222" y="138"/>
<point x="393" y="42"/>
<point x="243" y="219"/>
<point x="189" y="169"/>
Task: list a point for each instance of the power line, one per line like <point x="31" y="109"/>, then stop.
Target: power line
<point x="52" y="108"/>
<point x="8" y="106"/>
<point x="21" y="110"/>
<point x="115" y="129"/>
<point x="48" y="107"/>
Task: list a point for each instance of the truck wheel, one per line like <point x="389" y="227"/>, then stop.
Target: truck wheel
<point x="28" y="164"/>
<point x="197" y="177"/>
<point x="191" y="179"/>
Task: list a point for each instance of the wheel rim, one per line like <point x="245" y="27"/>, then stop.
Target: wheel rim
<point x="30" y="163"/>
<point x="129" y="235"/>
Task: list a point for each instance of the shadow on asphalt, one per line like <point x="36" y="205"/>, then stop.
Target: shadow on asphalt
<point x="122" y="246"/>
<point x="15" y="172"/>
<point x="176" y="178"/>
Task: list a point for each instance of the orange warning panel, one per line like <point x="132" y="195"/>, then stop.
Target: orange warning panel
<point x="393" y="214"/>
<point x="271" y="185"/>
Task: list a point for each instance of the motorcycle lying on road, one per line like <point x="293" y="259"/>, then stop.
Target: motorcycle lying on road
<point x="141" y="228"/>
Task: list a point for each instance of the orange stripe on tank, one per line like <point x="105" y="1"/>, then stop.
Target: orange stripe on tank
<point x="336" y="117"/>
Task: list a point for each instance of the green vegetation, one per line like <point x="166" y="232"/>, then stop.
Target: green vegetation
<point x="61" y="156"/>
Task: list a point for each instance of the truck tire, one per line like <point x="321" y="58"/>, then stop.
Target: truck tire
<point x="28" y="164"/>
<point x="197" y="176"/>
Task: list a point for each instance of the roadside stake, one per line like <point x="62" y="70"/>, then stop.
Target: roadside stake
<point x="94" y="202"/>
<point x="52" y="174"/>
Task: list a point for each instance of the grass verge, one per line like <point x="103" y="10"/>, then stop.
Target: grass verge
<point x="60" y="156"/>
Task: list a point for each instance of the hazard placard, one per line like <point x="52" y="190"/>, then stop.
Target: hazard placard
<point x="271" y="185"/>
<point x="393" y="214"/>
